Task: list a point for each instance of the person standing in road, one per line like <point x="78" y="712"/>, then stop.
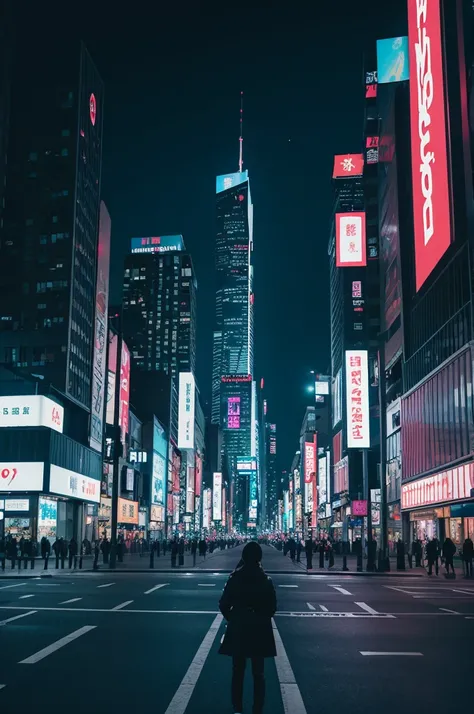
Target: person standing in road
<point x="248" y="603"/>
<point x="467" y="554"/>
<point x="449" y="550"/>
<point x="432" y="555"/>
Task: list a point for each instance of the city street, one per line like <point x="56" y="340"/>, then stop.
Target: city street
<point x="121" y="640"/>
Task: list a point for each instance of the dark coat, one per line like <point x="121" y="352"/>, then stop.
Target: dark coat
<point x="248" y="603"/>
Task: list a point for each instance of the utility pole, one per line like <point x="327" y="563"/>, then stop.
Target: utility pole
<point x="117" y="453"/>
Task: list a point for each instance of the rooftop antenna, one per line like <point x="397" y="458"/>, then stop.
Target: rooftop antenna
<point x="241" y="138"/>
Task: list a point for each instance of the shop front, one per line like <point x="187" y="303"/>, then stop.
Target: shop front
<point x="128" y="523"/>
<point x="440" y="506"/>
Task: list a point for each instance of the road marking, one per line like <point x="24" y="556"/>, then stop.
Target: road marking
<point x="38" y="656"/>
<point x="367" y="608"/>
<point x="340" y="589"/>
<point x="290" y="693"/>
<point x="206" y="585"/>
<point x="24" y="597"/>
<point x="157" y="587"/>
<point x="324" y="608"/>
<point x="184" y="692"/>
<point x="310" y="606"/>
<point x="107" y="585"/>
<point x="122" y="605"/>
<point x="466" y="592"/>
<point x="5" y="587"/>
<point x="391" y="654"/>
<point x="73" y="599"/>
<point x="288" y="586"/>
<point x="2" y="686"/>
<point x="452" y="612"/>
<point x="17" y="617"/>
<point x="351" y="615"/>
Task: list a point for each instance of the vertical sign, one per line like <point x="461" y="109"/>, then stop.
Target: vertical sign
<point x="217" y="497"/>
<point x="310" y="477"/>
<point x="124" y="405"/>
<point x="111" y="378"/>
<point x="431" y="191"/>
<point x="357" y="399"/>
<point x="99" y="369"/>
<point x="351" y="248"/>
<point x="186" y="410"/>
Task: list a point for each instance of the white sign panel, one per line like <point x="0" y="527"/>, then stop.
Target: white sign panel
<point x="31" y="410"/>
<point x="186" y="410"/>
<point x="21" y="476"/>
<point x="357" y="399"/>
<point x="322" y="480"/>
<point x="70" y="483"/>
<point x="206" y="511"/>
<point x="445" y="487"/>
<point x="217" y="497"/>
<point x="17" y="504"/>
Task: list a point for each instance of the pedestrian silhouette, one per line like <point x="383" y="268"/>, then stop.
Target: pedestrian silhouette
<point x="248" y="603"/>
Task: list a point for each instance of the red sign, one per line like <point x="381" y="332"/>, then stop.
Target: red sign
<point x="445" y="487"/>
<point x="309" y="461"/>
<point x="92" y="109"/>
<point x="347" y="165"/>
<point x="124" y="409"/>
<point x="359" y="508"/>
<point x="431" y="204"/>
<point x="370" y="91"/>
<point x="351" y="248"/>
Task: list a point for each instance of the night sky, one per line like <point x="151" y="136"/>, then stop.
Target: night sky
<point x="173" y="77"/>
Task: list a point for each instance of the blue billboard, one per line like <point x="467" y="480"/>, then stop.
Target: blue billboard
<point x="157" y="244"/>
<point x="159" y="464"/>
<point x="392" y="60"/>
<point x="226" y="181"/>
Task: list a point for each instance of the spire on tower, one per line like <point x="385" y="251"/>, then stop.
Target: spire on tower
<point x="241" y="138"/>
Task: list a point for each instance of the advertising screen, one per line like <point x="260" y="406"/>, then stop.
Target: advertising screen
<point x="31" y="410"/>
<point x="73" y="484"/>
<point x="253" y="496"/>
<point x="190" y="475"/>
<point x="158" y="479"/>
<point x="357" y="399"/>
<point x="157" y="244"/>
<point x="21" y="476"/>
<point x="198" y="475"/>
<point x="351" y="250"/>
<point x="233" y="413"/>
<point x="47" y="518"/>
<point x="127" y="511"/>
<point x="217" y="497"/>
<point x="226" y="181"/>
<point x="99" y="371"/>
<point x="206" y="510"/>
<point x="347" y="165"/>
<point x="124" y="405"/>
<point x="187" y="388"/>
<point x="322" y="480"/>
<point x="392" y="60"/>
<point x="431" y="191"/>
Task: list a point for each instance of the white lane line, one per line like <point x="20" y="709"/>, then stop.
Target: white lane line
<point x="2" y="686"/>
<point x="290" y="693"/>
<point x="367" y="608"/>
<point x="5" y="587"/>
<point x="184" y="692"/>
<point x="288" y="586"/>
<point x="107" y="585"/>
<point x="157" y="587"/>
<point x="73" y="599"/>
<point x="310" y="606"/>
<point x="24" y="597"/>
<point x="451" y="612"/>
<point x="324" y="608"/>
<point x="206" y="585"/>
<point x="391" y="654"/>
<point x="122" y="605"/>
<point x="38" y="656"/>
<point x="17" y="617"/>
<point x="343" y="591"/>
<point x="466" y="592"/>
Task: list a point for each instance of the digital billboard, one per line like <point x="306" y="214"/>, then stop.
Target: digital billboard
<point x="430" y="178"/>
<point x="350" y="240"/>
<point x="21" y="476"/>
<point x="124" y="404"/>
<point x="217" y="497"/>
<point x="347" y="165"/>
<point x="233" y="413"/>
<point x="392" y="60"/>
<point x="226" y="181"/>
<point x="99" y="369"/>
<point x="111" y="378"/>
<point x="357" y="399"/>
<point x="186" y="410"/>
<point x="157" y="244"/>
<point x="31" y="410"/>
<point x="159" y="459"/>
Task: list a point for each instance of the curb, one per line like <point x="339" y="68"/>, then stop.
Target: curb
<point x="25" y="577"/>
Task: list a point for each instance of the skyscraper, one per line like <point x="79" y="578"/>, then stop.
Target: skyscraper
<point x="48" y="249"/>
<point x="159" y="305"/>
<point x="233" y="333"/>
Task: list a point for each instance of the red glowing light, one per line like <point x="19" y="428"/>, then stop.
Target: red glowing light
<point x="241" y="197"/>
<point x="92" y="108"/>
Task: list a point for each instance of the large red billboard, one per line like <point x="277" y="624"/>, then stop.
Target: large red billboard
<point x="124" y="404"/>
<point x="347" y="165"/>
<point x="431" y="204"/>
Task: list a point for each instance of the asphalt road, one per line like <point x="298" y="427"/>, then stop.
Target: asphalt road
<point x="103" y="642"/>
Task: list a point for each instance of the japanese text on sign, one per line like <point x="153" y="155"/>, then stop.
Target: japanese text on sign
<point x="357" y="399"/>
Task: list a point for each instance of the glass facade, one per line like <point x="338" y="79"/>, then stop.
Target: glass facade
<point x="437" y="418"/>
